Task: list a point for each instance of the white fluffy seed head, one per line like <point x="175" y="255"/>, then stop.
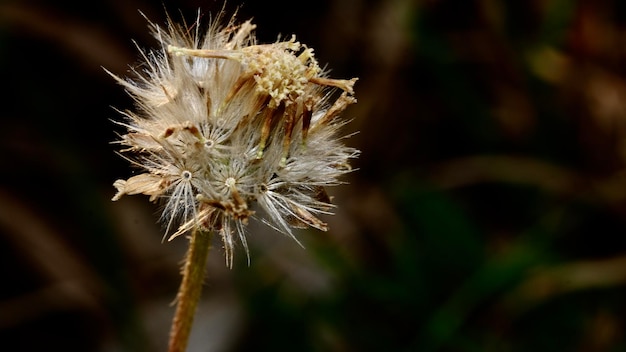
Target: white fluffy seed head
<point x="223" y="125"/>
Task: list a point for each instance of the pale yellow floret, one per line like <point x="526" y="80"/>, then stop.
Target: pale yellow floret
<point x="276" y="69"/>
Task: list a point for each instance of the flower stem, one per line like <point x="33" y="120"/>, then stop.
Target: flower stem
<point x="190" y="289"/>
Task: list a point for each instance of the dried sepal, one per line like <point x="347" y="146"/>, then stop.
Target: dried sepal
<point x="148" y="184"/>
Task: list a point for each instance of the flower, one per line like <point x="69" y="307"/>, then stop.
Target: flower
<point x="224" y="127"/>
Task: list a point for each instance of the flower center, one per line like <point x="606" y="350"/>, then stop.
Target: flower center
<point x="230" y="182"/>
<point x="186" y="175"/>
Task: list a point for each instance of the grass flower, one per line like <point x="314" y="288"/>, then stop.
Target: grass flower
<point x="226" y="130"/>
<point x="225" y="127"/>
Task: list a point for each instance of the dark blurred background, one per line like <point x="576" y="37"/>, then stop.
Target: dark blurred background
<point x="488" y="212"/>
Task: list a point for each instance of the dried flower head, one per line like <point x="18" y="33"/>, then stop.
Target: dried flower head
<point x="225" y="125"/>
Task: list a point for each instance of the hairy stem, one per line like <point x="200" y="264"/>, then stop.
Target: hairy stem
<point x="190" y="289"/>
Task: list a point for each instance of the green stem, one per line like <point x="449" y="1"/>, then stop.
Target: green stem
<point x="190" y="289"/>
